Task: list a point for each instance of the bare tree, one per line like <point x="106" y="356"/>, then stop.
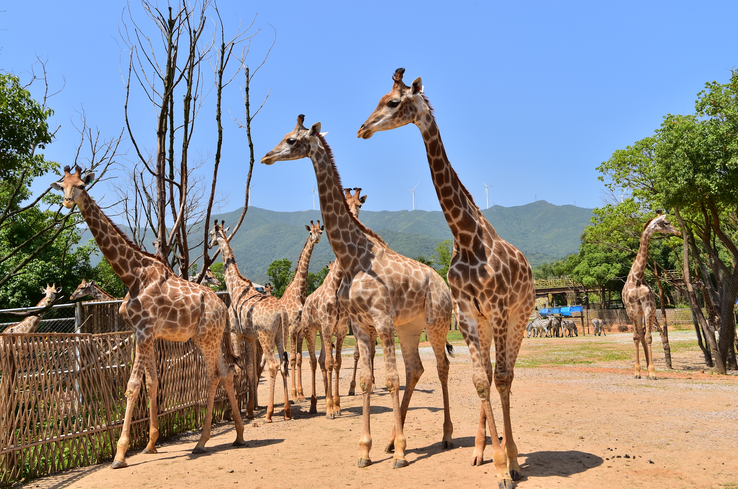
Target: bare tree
<point x="166" y="192"/>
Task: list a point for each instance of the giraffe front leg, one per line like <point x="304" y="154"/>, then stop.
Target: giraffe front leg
<point x="352" y="386"/>
<point x="310" y="338"/>
<point x="637" y="341"/>
<point x="392" y="381"/>
<point x="648" y="352"/>
<point x="365" y="382"/>
<point x="293" y="363"/>
<point x="226" y="377"/>
<point x="325" y="339"/>
<point x="211" y="363"/>
<point x="143" y="350"/>
<point x="337" y="372"/>
<point x="298" y="374"/>
<point x="152" y="385"/>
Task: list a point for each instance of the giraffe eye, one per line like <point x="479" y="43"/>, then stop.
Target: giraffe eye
<point x="291" y="141"/>
<point x="393" y="103"/>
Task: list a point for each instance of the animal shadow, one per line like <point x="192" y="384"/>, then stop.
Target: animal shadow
<point x="562" y="464"/>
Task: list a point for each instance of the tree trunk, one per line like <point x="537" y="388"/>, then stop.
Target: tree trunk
<point x="726" y="340"/>
<point x="701" y="344"/>
<point x="665" y="329"/>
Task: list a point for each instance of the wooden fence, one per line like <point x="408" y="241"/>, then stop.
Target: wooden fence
<point x="62" y="399"/>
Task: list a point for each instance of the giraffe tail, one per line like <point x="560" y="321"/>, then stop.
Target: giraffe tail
<point x="450" y="349"/>
<point x="230" y="337"/>
<point x="285" y="344"/>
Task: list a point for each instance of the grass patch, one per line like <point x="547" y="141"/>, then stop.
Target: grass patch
<point x="572" y="353"/>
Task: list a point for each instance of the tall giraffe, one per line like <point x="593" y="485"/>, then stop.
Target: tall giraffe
<point x="29" y="324"/>
<point x="293" y="298"/>
<point x="158" y="305"/>
<point x="380" y="289"/>
<point x="638" y="298"/>
<point x="91" y="288"/>
<point x="255" y="317"/>
<point x="491" y="281"/>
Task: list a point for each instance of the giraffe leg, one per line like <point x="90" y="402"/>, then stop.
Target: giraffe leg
<point x="293" y="362"/>
<point x="251" y="377"/>
<point x="438" y="342"/>
<point x="271" y="365"/>
<point x="325" y="342"/>
<point x="637" y="341"/>
<point x="365" y="382"/>
<point x="144" y="348"/>
<point x="352" y="387"/>
<point x="152" y="386"/>
<point x="340" y="335"/>
<point x="310" y="338"/>
<point x="298" y="363"/>
<point x="211" y="354"/>
<point x="413" y="371"/>
<point x="226" y="377"/>
<point x="647" y="341"/>
<point x="283" y="370"/>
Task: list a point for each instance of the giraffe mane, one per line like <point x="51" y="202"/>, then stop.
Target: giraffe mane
<point x="358" y="223"/>
<point x="648" y="222"/>
<point x="463" y="188"/>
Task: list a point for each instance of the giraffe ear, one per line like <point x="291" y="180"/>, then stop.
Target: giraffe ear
<point x="226" y="230"/>
<point x="88" y="178"/>
<point x="58" y="291"/>
<point x="362" y="199"/>
<point x="314" y="129"/>
<point x="307" y="227"/>
<point x="417" y="86"/>
<point x="56" y="186"/>
<point x="323" y="133"/>
<point x="42" y="289"/>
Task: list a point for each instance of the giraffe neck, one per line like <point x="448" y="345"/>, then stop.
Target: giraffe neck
<point x="637" y="272"/>
<point x="235" y="282"/>
<point x="125" y="259"/>
<point x="298" y="285"/>
<point x="461" y="213"/>
<point x="341" y="226"/>
<point x="100" y="295"/>
<point x="29" y="324"/>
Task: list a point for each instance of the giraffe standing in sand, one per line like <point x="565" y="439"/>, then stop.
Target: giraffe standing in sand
<point x="293" y="298"/>
<point x="491" y="281"/>
<point x="158" y="305"/>
<point x="255" y="317"/>
<point x="380" y="289"/>
<point x="638" y="298"/>
<point x="91" y="288"/>
<point x="29" y="324"/>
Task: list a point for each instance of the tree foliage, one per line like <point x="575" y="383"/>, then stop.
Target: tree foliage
<point x="315" y="280"/>
<point x="280" y="274"/>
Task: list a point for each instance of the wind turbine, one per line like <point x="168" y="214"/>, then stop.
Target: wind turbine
<point x="313" y="192"/>
<point x="486" y="192"/>
<point x="413" y="191"/>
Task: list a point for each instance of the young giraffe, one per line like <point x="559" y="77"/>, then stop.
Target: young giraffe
<point x="293" y="298"/>
<point x="638" y="298"/>
<point x="158" y="305"/>
<point x="91" y="288"/>
<point x="380" y="289"/>
<point x="29" y="324"/>
<point x="255" y="317"/>
<point x="491" y="281"/>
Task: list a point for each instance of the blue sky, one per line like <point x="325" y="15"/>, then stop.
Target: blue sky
<point x="529" y="96"/>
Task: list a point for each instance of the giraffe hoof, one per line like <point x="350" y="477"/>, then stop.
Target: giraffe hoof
<point x="515" y="475"/>
<point x="447" y="445"/>
<point x="119" y="464"/>
<point x="352" y="392"/>
<point x="364" y="462"/>
<point x="390" y="447"/>
<point x="400" y="463"/>
<point x="301" y="398"/>
<point x="313" y="410"/>
<point x="149" y="450"/>
<point x="505" y="484"/>
<point x="239" y="443"/>
<point x="637" y="376"/>
<point x="197" y="450"/>
<point x="330" y="415"/>
<point x="477" y="460"/>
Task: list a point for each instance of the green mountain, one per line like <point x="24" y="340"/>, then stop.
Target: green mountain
<point x="543" y="232"/>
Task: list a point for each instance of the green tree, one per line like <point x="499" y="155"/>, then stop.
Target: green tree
<point x="106" y="278"/>
<point x="219" y="272"/>
<point x="442" y="258"/>
<point x="280" y="274"/>
<point x="315" y="280"/>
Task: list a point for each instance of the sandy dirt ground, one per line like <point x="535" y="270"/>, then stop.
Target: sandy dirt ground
<point x="584" y="425"/>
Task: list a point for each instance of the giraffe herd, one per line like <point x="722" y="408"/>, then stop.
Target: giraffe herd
<point x="381" y="293"/>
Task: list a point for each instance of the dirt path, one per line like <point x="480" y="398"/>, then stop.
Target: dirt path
<point x="589" y="425"/>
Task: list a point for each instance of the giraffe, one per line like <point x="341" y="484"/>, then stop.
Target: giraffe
<point x="268" y="288"/>
<point x="255" y="317"/>
<point x="158" y="305"/>
<point x="638" y="298"/>
<point x="380" y="289"/>
<point x="91" y="288"/>
<point x="293" y="298"/>
<point x="29" y="324"/>
<point x="208" y="279"/>
<point x="491" y="281"/>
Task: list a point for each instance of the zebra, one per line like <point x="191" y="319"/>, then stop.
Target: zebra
<point x="599" y="328"/>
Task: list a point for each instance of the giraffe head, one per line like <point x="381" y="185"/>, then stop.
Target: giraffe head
<point x="268" y="288"/>
<point x="209" y="279"/>
<point x="660" y="224"/>
<point x="50" y="292"/>
<point x="218" y="234"/>
<point x="401" y="106"/>
<point x="83" y="289"/>
<point x="73" y="185"/>
<point x="296" y="144"/>
<point x="354" y="201"/>
<point x="316" y="231"/>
